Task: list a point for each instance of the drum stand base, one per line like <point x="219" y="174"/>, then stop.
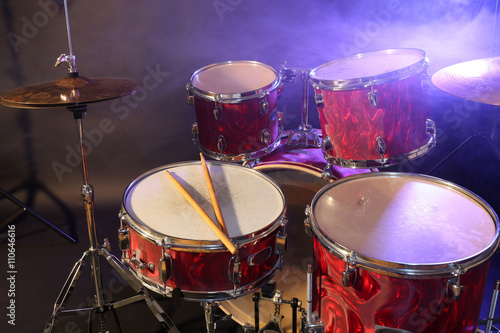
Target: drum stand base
<point x="70" y="284"/>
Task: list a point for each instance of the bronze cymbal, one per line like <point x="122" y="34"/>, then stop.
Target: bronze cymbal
<point x="69" y="91"/>
<point x="476" y="80"/>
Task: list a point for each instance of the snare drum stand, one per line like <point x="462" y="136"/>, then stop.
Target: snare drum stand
<point x="93" y="253"/>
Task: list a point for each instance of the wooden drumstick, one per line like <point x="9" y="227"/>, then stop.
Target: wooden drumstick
<point x="224" y="239"/>
<point x="211" y="190"/>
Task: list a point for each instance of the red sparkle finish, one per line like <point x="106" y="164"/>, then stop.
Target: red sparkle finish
<point x="416" y="305"/>
<point x="353" y="124"/>
<point x="241" y="124"/>
<point x="199" y="273"/>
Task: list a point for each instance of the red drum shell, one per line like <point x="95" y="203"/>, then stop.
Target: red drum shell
<point x="236" y="133"/>
<point x="408" y="237"/>
<point x="400" y="118"/>
<point x="159" y="223"/>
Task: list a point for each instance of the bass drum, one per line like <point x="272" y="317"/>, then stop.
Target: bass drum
<point x="298" y="172"/>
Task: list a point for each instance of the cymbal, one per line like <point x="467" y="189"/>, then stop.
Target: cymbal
<point x="69" y="91"/>
<point x="476" y="80"/>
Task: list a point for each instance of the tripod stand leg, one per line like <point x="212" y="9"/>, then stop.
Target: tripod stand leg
<point x="162" y="317"/>
<point x="26" y="209"/>
<point x="66" y="291"/>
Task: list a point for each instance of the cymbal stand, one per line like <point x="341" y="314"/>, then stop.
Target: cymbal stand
<point x="93" y="253"/>
<point x="304" y="132"/>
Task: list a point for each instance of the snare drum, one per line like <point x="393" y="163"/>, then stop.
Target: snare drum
<point x="298" y="170"/>
<point x="235" y="102"/>
<point x="404" y="252"/>
<point x="373" y="108"/>
<point x="171" y="249"/>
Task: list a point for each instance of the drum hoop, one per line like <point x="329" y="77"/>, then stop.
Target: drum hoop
<point x="392" y="160"/>
<point x="364" y="82"/>
<point x="234" y="97"/>
<point x="205" y="296"/>
<point x="406" y="270"/>
<point x="192" y="244"/>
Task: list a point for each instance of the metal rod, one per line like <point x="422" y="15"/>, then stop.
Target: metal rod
<point x="88" y="200"/>
<point x="309" y="293"/>
<point x="491" y="314"/>
<point x="68" y="28"/>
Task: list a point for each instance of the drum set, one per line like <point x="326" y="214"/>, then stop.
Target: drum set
<point x="312" y="222"/>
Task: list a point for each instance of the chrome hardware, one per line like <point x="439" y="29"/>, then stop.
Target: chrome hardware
<point x="137" y="262"/>
<point x="326" y="144"/>
<point x="314" y="325"/>
<point x="265" y="137"/>
<point x="190" y="95"/>
<point x="281" y="248"/>
<point x="319" y="100"/>
<point x="430" y="128"/>
<point x="106" y="245"/>
<point x="217" y="112"/>
<point x="381" y="147"/>
<point x="151" y="266"/>
<point x="453" y="286"/>
<point x="165" y="268"/>
<point x="195" y="132"/>
<point x="327" y="174"/>
<point x="350" y="274"/>
<point x="221" y="143"/>
<point x="124" y="239"/>
<point x="288" y="74"/>
<point x="373" y="97"/>
<point x="307" y="221"/>
<point x="235" y="271"/>
<point x="264" y="106"/>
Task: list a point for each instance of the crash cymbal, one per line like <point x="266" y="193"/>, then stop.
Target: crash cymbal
<point x="69" y="91"/>
<point x="476" y="80"/>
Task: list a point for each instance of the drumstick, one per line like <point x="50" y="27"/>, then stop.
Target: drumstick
<point x="224" y="239"/>
<point x="211" y="190"/>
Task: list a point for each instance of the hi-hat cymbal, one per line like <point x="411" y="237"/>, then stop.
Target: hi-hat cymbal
<point x="69" y="91"/>
<point x="476" y="80"/>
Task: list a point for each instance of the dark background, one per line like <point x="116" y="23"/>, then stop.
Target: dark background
<point x="152" y="128"/>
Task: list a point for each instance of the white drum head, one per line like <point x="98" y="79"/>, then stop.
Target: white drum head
<point x="249" y="200"/>
<point x="404" y="218"/>
<point x="369" y="65"/>
<point x="233" y="77"/>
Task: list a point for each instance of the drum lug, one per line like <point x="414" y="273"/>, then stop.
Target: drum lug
<point x="350" y="274"/>
<point x="265" y="137"/>
<point x="453" y="286"/>
<point x="264" y="106"/>
<point x="195" y="132"/>
<point x="124" y="239"/>
<point x="381" y="147"/>
<point x="190" y="95"/>
<point x="430" y="128"/>
<point x="217" y="112"/>
<point x="307" y="221"/>
<point x="281" y="248"/>
<point x="221" y="144"/>
<point x="165" y="268"/>
<point x="235" y="271"/>
<point x="373" y="97"/>
<point x="319" y="100"/>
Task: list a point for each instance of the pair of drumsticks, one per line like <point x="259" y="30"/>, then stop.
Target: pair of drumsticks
<point x="221" y="230"/>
